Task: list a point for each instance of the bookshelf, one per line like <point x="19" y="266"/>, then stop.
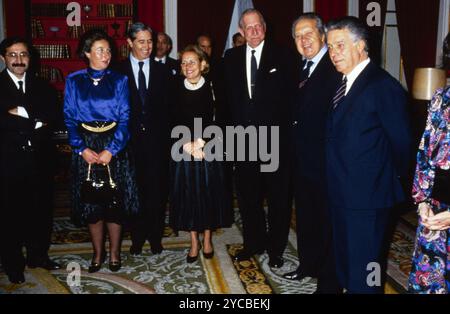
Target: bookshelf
<point x="56" y="42"/>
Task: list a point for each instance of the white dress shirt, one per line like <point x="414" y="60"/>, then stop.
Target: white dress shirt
<point x="163" y="59"/>
<point x="145" y="68"/>
<point x="353" y="75"/>
<point x="316" y="59"/>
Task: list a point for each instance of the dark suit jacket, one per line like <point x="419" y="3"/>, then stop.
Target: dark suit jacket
<point x="40" y="101"/>
<point x="173" y="65"/>
<point x="275" y="81"/>
<point x="368" y="143"/>
<point x="157" y="120"/>
<point x="310" y="113"/>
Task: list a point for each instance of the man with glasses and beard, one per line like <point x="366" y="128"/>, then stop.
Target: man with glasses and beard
<point x="27" y="108"/>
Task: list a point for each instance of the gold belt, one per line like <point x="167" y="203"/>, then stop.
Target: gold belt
<point x="99" y="129"/>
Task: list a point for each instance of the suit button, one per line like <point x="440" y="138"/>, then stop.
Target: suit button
<point x="294" y="123"/>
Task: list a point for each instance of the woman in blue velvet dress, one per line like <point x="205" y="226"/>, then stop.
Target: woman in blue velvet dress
<point x="96" y="113"/>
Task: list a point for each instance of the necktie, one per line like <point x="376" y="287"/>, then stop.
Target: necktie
<point x="304" y="75"/>
<point x="21" y="87"/>
<point x="253" y="70"/>
<point x="142" y="83"/>
<point x="340" y="93"/>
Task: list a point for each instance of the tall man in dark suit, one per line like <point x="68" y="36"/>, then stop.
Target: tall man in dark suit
<point x="259" y="80"/>
<point x="368" y="144"/>
<point x="316" y="87"/>
<point x="27" y="114"/>
<point x="163" y="49"/>
<point x="149" y="125"/>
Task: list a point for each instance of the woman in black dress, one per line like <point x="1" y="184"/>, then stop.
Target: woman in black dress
<point x="200" y="201"/>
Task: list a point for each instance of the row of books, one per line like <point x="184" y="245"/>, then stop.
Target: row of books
<point x="114" y="10"/>
<point x="51" y="74"/>
<point x="53" y="51"/>
<point x="60" y="10"/>
<point x="75" y="32"/>
<point x="37" y="31"/>
<point x="49" y="9"/>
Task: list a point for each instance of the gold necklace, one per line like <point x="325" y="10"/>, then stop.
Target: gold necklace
<point x="95" y="81"/>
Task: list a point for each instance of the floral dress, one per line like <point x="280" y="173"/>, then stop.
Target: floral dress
<point x="430" y="271"/>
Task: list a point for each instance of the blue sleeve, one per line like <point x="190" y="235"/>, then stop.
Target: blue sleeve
<point x="70" y="109"/>
<point x="122" y="134"/>
<point x="394" y="117"/>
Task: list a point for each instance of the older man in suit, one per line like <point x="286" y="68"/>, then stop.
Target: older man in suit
<point x="316" y="87"/>
<point x="150" y="136"/>
<point x="368" y="145"/>
<point x="27" y="113"/>
<point x="259" y="83"/>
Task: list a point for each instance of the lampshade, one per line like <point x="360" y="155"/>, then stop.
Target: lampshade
<point x="427" y="81"/>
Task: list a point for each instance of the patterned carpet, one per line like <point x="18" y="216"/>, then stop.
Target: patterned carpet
<point x="168" y="273"/>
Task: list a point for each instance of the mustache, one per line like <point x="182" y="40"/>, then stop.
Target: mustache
<point x="17" y="65"/>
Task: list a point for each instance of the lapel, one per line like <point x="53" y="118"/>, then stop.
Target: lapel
<point x="349" y="100"/>
<point x="241" y="66"/>
<point x="130" y="74"/>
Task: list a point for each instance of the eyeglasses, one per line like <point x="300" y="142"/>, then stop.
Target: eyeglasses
<point x="14" y="55"/>
<point x="101" y="51"/>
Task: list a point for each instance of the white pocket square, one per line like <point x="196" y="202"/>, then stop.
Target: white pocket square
<point x="273" y="70"/>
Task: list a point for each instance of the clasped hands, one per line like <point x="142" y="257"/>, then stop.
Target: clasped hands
<point x="434" y="222"/>
<point x="91" y="157"/>
<point x="195" y="148"/>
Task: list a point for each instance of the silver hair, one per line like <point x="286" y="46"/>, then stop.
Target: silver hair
<point x="309" y="16"/>
<point x="251" y="11"/>
<point x="358" y="31"/>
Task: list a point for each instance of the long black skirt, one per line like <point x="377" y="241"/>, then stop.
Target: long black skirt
<point x="199" y="196"/>
<point x="123" y="174"/>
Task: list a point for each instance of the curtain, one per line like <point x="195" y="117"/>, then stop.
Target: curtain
<point x="375" y="32"/>
<point x="197" y="17"/>
<point x="329" y="10"/>
<point x="15" y="18"/>
<point x="151" y="12"/>
<point x="417" y="25"/>
<point x="279" y="16"/>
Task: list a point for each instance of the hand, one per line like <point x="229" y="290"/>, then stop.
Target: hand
<point x="104" y="158"/>
<point x="90" y="156"/>
<point x="439" y="222"/>
<point x="425" y="211"/>
<point x="195" y="148"/>
<point x="14" y="111"/>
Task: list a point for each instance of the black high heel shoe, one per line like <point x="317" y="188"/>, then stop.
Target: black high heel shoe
<point x="208" y="255"/>
<point x="114" y="266"/>
<point x="192" y="259"/>
<point x="95" y="267"/>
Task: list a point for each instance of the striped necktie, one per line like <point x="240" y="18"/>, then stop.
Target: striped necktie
<point x="340" y="93"/>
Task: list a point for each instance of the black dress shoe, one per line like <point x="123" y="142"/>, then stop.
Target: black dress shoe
<point x="135" y="251"/>
<point x="245" y="255"/>
<point x="156" y="248"/>
<point x="17" y="278"/>
<point x="115" y="265"/>
<point x="294" y="275"/>
<point x="276" y="261"/>
<point x="46" y="264"/>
